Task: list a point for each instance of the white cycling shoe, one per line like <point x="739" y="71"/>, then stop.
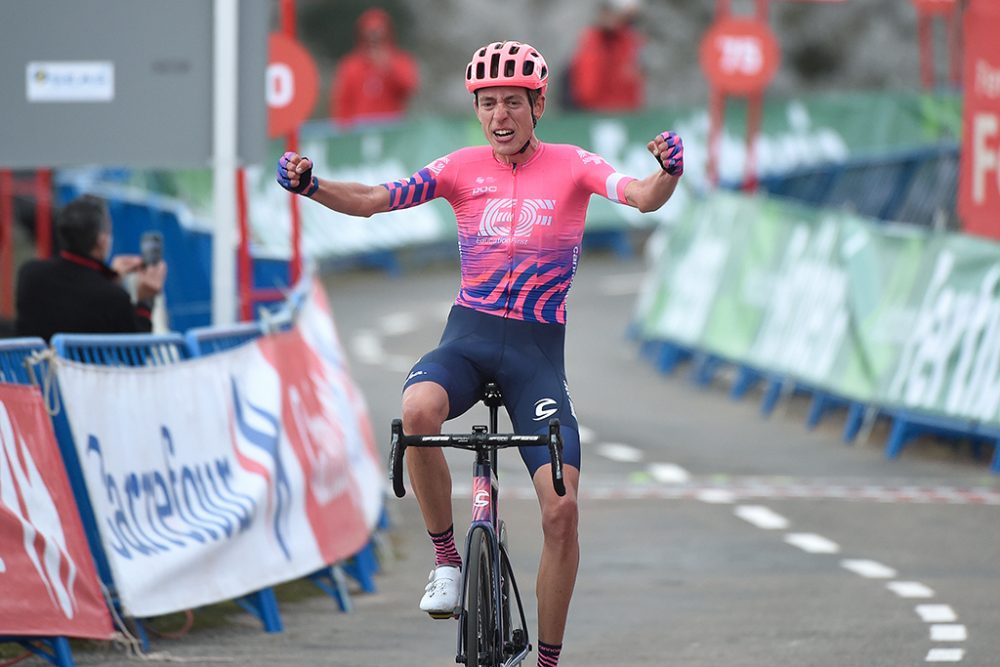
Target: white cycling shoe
<point x="444" y="588"/>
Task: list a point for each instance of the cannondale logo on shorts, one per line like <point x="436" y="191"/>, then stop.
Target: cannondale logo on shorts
<point x="498" y="215"/>
<point x="545" y="408"/>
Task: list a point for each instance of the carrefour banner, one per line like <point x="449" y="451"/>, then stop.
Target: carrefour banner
<point x="47" y="577"/>
<point x="216" y="477"/>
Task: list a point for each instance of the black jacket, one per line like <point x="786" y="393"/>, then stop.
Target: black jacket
<point x="75" y="294"/>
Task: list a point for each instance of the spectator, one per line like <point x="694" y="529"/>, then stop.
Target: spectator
<point x="376" y="79"/>
<point x="77" y="292"/>
<point x="606" y="73"/>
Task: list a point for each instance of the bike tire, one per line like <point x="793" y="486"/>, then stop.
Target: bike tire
<point x="481" y="634"/>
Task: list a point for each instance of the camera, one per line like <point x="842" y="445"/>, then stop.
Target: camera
<point x="151" y="247"/>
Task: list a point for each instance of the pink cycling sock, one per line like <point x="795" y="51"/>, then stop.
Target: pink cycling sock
<point x="548" y="654"/>
<point x="445" y="552"/>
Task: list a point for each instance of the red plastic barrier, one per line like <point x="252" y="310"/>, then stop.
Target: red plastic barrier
<point x="47" y="576"/>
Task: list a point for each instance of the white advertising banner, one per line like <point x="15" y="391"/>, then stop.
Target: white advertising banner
<point x="216" y="477"/>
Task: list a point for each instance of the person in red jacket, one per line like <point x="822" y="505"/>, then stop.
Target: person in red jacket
<point x="376" y="79"/>
<point x="606" y="72"/>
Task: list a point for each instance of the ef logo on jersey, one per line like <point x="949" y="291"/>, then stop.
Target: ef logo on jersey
<point x="498" y="216"/>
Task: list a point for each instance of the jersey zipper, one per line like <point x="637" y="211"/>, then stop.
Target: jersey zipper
<point x="515" y="213"/>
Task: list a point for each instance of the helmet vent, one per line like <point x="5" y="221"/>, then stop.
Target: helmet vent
<point x="509" y="68"/>
<point x="514" y="49"/>
<point x="529" y="67"/>
<point x="480" y="70"/>
<point x="495" y="66"/>
<point x="544" y="73"/>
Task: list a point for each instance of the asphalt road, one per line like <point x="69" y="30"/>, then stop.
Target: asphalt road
<point x="711" y="536"/>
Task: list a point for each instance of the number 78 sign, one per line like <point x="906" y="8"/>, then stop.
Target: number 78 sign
<point x="739" y="56"/>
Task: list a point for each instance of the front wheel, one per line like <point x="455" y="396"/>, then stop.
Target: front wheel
<point x="481" y="632"/>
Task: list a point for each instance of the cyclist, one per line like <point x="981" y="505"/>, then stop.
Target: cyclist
<point x="520" y="206"/>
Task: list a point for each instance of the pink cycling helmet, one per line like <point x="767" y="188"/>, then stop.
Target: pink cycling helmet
<point x="507" y="64"/>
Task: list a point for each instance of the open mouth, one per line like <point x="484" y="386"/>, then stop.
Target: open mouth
<point x="503" y="135"/>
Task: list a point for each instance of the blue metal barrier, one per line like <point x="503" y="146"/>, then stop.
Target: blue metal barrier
<point x="130" y="350"/>
<point x="909" y="424"/>
<point x="912" y="186"/>
<point x="208" y="340"/>
<point x="14" y="352"/>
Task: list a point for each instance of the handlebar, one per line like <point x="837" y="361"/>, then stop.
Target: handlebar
<point x="474" y="441"/>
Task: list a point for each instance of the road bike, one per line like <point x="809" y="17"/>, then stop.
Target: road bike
<point x="488" y="633"/>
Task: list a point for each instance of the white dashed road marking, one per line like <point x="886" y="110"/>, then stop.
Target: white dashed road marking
<point x="367" y="347"/>
<point x="716" y="496"/>
<point x="616" y="451"/>
<point x="869" y="569"/>
<point x="762" y="517"/>
<point x="812" y="543"/>
<point x="623" y="284"/>
<point x="668" y="473"/>
<point x="936" y="613"/>
<point x="910" y="589"/>
<point x="945" y="655"/>
<point x="951" y="632"/>
<point x="398" y="324"/>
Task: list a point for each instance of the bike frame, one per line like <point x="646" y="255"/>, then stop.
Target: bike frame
<point x="485" y="503"/>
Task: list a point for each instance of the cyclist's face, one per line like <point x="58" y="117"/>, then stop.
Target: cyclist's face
<point x="505" y="114"/>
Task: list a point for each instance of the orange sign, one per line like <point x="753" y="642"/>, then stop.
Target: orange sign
<point x="979" y="178"/>
<point x="292" y="83"/>
<point x="739" y="56"/>
<point x="935" y="6"/>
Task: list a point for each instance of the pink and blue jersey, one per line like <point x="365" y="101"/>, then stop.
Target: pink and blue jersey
<point x="520" y="227"/>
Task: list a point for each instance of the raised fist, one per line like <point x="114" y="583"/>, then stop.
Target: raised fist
<point x="295" y="174"/>
<point x="668" y="149"/>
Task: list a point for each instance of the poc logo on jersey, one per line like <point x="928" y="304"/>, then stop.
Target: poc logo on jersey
<point x="498" y="216"/>
<point x="484" y="185"/>
<point x="545" y="408"/>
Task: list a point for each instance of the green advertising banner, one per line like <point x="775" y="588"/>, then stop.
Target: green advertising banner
<point x="875" y="313"/>
<point x="759" y="239"/>
<point x="679" y="293"/>
<point x="950" y="361"/>
<point x="795" y="133"/>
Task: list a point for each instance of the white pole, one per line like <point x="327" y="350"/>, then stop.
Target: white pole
<point x="224" y="132"/>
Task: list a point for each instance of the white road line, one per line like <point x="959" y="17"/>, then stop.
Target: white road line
<point x="945" y="655"/>
<point x="936" y="613"/>
<point x="812" y="543"/>
<point x="398" y="324"/>
<point x="367" y="347"/>
<point x="623" y="284"/>
<point x="622" y="453"/>
<point x="587" y="435"/>
<point x="398" y="363"/>
<point x="668" y="473"/>
<point x="949" y="632"/>
<point x="869" y="569"/>
<point x="716" y="496"/>
<point x="762" y="517"/>
<point x="910" y="589"/>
